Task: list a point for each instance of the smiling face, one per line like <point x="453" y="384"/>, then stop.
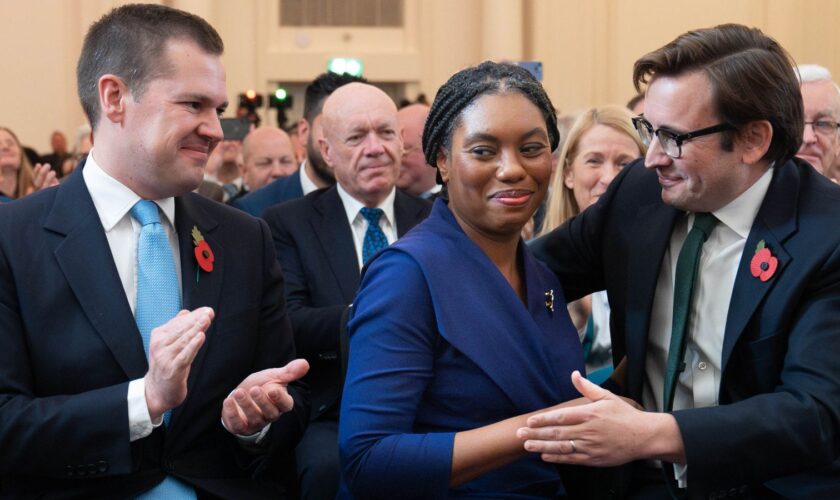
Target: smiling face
<point x="822" y="103"/>
<point x="361" y="141"/>
<point x="600" y="154"/>
<point x="171" y="129"/>
<point x="705" y="177"/>
<point x="498" y="166"/>
<point x="10" y="153"/>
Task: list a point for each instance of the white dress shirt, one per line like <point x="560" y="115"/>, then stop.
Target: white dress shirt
<point x="359" y="224"/>
<point x="113" y="201"/>
<point x="699" y="384"/>
<point x="307" y="185"/>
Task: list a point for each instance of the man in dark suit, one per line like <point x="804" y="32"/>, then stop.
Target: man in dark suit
<point x="313" y="173"/>
<point x="106" y="389"/>
<point x="322" y="243"/>
<point x="749" y="404"/>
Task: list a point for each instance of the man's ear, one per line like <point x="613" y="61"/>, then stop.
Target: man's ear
<point x="442" y="164"/>
<point x="754" y="140"/>
<point x="326" y="151"/>
<point x="303" y="130"/>
<point x="113" y="93"/>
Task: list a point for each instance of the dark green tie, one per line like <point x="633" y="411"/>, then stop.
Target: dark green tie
<point x="684" y="278"/>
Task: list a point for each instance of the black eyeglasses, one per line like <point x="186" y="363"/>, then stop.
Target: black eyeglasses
<point x="672" y="143"/>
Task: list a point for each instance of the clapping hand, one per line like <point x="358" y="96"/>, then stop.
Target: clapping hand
<point x="261" y="398"/>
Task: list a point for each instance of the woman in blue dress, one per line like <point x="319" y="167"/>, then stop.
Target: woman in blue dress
<point x="457" y="332"/>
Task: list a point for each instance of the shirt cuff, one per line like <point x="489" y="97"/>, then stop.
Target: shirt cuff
<point x="140" y="422"/>
<point x="255" y="438"/>
<point x="681" y="475"/>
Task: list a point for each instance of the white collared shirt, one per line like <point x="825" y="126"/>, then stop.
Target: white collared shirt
<point x="113" y="202"/>
<point x="699" y="384"/>
<point x="307" y="185"/>
<point x="359" y="224"/>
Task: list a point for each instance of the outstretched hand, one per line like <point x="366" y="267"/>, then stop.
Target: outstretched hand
<point x="608" y="431"/>
<point x="261" y="398"/>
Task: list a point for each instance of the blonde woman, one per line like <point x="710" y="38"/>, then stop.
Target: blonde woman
<point x="601" y="142"/>
<point x="17" y="176"/>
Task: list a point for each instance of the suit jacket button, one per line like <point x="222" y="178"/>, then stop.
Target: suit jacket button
<point x="102" y="466"/>
<point x="80" y="470"/>
<point x="92" y="469"/>
<point x="69" y="470"/>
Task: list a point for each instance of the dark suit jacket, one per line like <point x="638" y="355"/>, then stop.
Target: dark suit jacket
<point x="779" y="412"/>
<point x="70" y="346"/>
<point x="315" y="247"/>
<point x="283" y="189"/>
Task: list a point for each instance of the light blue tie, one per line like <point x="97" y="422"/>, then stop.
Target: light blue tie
<point x="375" y="239"/>
<point x="158" y="301"/>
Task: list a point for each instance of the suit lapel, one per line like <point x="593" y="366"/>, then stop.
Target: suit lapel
<point x="199" y="288"/>
<point x="87" y="263"/>
<point x="336" y="238"/>
<point x="643" y="273"/>
<point x="775" y="222"/>
<point x="407" y="214"/>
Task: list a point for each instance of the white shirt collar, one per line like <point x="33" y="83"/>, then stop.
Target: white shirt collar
<point x="306" y="184"/>
<point x="739" y="214"/>
<point x="352" y="206"/>
<point x="112" y="198"/>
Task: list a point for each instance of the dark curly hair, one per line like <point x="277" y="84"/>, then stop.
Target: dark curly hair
<point x="469" y="84"/>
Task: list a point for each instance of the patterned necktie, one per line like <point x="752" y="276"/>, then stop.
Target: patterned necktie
<point x="375" y="239"/>
<point x="684" y="278"/>
<point x="158" y="301"/>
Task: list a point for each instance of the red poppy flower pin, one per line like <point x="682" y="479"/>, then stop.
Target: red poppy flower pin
<point x="203" y="253"/>
<point x="763" y="264"/>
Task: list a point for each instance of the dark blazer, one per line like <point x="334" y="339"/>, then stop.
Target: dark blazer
<point x="779" y="412"/>
<point x="283" y="189"/>
<point x="70" y="346"/>
<point x="315" y="247"/>
<point x="450" y="348"/>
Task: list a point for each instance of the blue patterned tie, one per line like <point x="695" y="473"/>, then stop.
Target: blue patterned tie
<point x="158" y="301"/>
<point x="375" y="239"/>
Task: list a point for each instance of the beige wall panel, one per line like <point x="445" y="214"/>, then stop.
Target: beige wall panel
<point x="587" y="46"/>
<point x="569" y="37"/>
<point x="236" y="23"/>
<point x="808" y="30"/>
<point x="639" y="27"/>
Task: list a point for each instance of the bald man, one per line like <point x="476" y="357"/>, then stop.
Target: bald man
<point x="267" y="154"/>
<point x="321" y="239"/>
<point x="416" y="176"/>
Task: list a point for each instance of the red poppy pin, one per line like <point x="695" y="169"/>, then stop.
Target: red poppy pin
<point x="763" y="265"/>
<point x="203" y="253"/>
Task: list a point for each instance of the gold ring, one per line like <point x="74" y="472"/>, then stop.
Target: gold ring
<point x="574" y="448"/>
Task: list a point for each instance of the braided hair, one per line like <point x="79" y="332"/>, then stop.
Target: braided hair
<point x="467" y="85"/>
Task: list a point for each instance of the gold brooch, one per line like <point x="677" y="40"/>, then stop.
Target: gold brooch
<point x="549" y="300"/>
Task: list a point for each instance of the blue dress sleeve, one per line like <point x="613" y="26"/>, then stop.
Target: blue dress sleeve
<point x="393" y="335"/>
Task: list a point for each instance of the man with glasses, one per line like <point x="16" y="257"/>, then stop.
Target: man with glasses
<point x="719" y="252"/>
<point x="821" y="98"/>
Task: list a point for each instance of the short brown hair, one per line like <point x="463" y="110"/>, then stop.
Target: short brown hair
<point x="129" y="42"/>
<point x="752" y="78"/>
